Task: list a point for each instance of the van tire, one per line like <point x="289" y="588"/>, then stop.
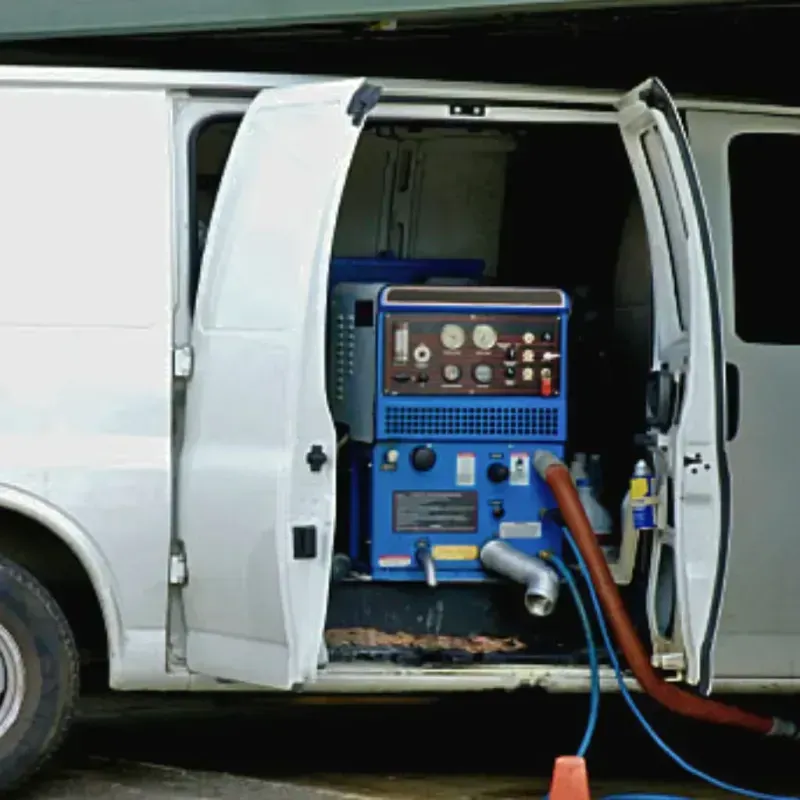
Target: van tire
<point x="35" y="633"/>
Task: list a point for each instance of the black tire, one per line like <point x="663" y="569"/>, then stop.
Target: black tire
<point x="34" y="621"/>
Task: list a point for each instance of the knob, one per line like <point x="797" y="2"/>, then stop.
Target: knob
<point x="497" y="473"/>
<point x="423" y="458"/>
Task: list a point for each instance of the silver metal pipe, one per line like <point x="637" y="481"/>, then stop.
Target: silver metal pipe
<point x="425" y="557"/>
<point x="541" y="581"/>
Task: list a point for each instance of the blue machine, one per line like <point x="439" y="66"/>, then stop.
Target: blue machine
<point x="465" y="384"/>
<point x="470" y="382"/>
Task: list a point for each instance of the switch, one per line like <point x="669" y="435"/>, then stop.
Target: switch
<point x="423" y="377"/>
<point x="391" y="456"/>
<point x="547" y="383"/>
<point x="511" y="353"/>
<point x="511" y="373"/>
<point x="498" y="512"/>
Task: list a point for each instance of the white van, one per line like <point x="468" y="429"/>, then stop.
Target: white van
<point x="168" y="480"/>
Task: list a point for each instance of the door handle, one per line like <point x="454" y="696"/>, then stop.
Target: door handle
<point x="733" y="400"/>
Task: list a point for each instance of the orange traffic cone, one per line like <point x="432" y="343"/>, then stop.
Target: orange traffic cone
<point x="570" y="779"/>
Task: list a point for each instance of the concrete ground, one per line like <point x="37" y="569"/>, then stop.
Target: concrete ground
<point x="498" y="748"/>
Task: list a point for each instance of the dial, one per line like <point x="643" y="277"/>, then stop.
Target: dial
<point x="451" y="372"/>
<point x="484" y="337"/>
<point x="452" y="336"/>
<point x="482" y="373"/>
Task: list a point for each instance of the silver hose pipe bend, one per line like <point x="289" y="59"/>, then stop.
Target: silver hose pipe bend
<point x="540" y="580"/>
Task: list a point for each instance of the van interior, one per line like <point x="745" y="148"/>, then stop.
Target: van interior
<point x="545" y="205"/>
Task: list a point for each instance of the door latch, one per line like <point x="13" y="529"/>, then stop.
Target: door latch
<point x="316" y="458"/>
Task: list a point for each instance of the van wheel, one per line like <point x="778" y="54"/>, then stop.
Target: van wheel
<point x="39" y="675"/>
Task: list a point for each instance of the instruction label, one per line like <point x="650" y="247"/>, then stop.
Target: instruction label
<point x="520" y="474"/>
<point x="520" y="530"/>
<point x="465" y="469"/>
<point x="416" y="512"/>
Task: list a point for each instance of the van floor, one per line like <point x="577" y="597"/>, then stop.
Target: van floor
<point x="415" y="625"/>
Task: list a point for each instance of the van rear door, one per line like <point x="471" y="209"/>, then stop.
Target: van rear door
<point x="256" y="485"/>
<point x="686" y="406"/>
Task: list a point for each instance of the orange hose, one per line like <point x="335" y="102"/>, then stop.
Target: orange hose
<point x="667" y="694"/>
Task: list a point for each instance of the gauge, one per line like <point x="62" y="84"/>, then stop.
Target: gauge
<point x="452" y="336"/>
<point x="484" y="337"/>
<point x="482" y="373"/>
<point x="451" y="372"/>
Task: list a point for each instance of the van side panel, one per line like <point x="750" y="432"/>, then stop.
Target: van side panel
<point x="85" y="333"/>
<point x="759" y="634"/>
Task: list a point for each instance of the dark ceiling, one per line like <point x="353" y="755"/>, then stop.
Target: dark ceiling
<point x="739" y="50"/>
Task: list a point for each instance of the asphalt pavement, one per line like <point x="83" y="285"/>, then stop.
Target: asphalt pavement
<point x="498" y="747"/>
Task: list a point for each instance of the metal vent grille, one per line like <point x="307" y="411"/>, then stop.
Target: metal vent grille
<point x="474" y="421"/>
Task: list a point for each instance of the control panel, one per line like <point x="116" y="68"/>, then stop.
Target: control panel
<point x="471" y="354"/>
<point x="449" y="499"/>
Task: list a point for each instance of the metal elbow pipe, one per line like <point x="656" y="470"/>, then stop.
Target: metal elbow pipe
<point x="541" y="582"/>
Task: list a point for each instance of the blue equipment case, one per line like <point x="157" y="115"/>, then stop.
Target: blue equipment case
<point x="388" y="269"/>
<point x="451" y="466"/>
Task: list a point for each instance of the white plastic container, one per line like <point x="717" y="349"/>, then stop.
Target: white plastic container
<point x="598" y="517"/>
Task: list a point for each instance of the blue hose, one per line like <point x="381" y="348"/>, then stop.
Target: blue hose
<point x="594" y="705"/>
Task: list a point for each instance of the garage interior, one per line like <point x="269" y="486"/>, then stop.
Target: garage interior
<point x="723" y="50"/>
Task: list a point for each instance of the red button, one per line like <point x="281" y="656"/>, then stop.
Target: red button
<point x="547" y="387"/>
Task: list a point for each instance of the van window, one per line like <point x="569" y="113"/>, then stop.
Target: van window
<point x="209" y="148"/>
<point x="764" y="175"/>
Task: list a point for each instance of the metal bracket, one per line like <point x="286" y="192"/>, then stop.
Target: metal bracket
<point x="178" y="569"/>
<point x="182" y="362"/>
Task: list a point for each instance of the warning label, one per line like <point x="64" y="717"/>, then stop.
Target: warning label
<point x="416" y="512"/>
<point x="394" y="562"/>
<point x="465" y="469"/>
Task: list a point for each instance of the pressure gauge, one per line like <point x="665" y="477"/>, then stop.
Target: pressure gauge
<point x="482" y="373"/>
<point x="451" y="372"/>
<point x="452" y="336"/>
<point x="484" y="337"/>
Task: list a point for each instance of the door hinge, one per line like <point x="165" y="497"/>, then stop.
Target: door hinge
<point x="669" y="662"/>
<point x="182" y="361"/>
<point x="178" y="570"/>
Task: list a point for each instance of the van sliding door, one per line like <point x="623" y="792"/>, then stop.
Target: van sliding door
<point x="686" y="413"/>
<point x="256" y="485"/>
